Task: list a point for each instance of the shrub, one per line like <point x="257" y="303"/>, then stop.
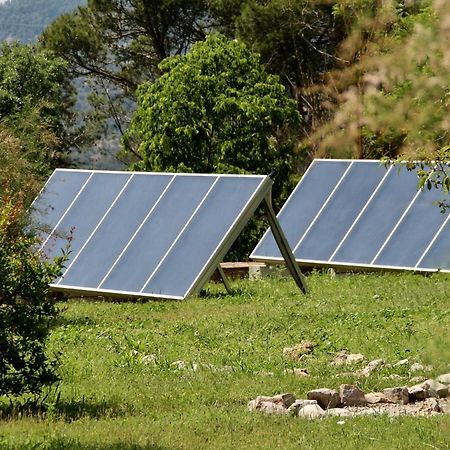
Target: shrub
<point x="26" y="309"/>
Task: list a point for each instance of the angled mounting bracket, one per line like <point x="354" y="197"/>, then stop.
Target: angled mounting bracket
<point x="224" y="279"/>
<point x="283" y="244"/>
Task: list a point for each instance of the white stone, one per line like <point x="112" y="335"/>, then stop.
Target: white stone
<point x="445" y="378"/>
<point x="311" y="412"/>
<point x="402" y="362"/>
<point x="179" y="364"/>
<point x="297" y="371"/>
<point x="344" y="357"/>
<point x="376" y="397"/>
<point x="272" y="408"/>
<point x="353" y="358"/>
<point x="416" y="367"/>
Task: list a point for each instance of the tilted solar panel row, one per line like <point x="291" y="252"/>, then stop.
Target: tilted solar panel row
<point x="355" y="213"/>
<point x="143" y="234"/>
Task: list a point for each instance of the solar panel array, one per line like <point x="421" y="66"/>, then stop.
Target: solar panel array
<point x="356" y="213"/>
<point x="143" y="234"/>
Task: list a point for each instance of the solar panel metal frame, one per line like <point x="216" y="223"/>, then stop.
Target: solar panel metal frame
<point x="260" y="194"/>
<point x="346" y="265"/>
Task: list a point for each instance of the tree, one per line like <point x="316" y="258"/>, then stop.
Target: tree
<point x="35" y="102"/>
<point x="118" y="44"/>
<point x="215" y="109"/>
<point x="298" y="41"/>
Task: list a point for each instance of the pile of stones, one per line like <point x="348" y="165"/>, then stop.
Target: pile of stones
<point x="430" y="397"/>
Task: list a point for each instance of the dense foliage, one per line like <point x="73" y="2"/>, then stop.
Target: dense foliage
<point x="35" y="104"/>
<point x="214" y="110"/>
<point x="117" y="45"/>
<point x="26" y="310"/>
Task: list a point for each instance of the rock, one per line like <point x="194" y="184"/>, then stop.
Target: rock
<point x="340" y="358"/>
<point x="376" y="397"/>
<point x="179" y="364"/>
<point x="393" y="376"/>
<point x="445" y="378"/>
<point x="286" y="399"/>
<point x="272" y="408"/>
<point x="343" y="357"/>
<point x="402" y="362"/>
<point x="425" y="390"/>
<point x="366" y="371"/>
<point x="430" y="405"/>
<point x="338" y="412"/>
<point x="297" y="371"/>
<point x="353" y="358"/>
<point x="397" y="395"/>
<point x="445" y="408"/>
<point x="433" y="385"/>
<point x="417" y="379"/>
<point x="298" y="350"/>
<point x="351" y="395"/>
<point x="311" y="412"/>
<point x="282" y="400"/>
<point x="326" y="398"/>
<point x="416" y="367"/>
<point x="417" y="393"/>
<point x="298" y="404"/>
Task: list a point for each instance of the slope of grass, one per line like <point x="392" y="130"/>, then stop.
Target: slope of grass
<point x="120" y="387"/>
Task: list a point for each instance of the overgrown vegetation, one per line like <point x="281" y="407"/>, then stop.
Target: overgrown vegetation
<point x="123" y="385"/>
<point x="26" y="309"/>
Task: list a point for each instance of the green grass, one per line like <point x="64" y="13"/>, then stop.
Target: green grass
<point x="114" y="394"/>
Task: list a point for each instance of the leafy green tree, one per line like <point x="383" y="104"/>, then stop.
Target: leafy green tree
<point x="215" y="109"/>
<point x="35" y="102"/>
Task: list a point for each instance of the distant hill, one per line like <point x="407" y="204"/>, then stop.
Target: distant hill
<point x="24" y="20"/>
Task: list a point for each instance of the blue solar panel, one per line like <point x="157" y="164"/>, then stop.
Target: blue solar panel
<point x="369" y="216"/>
<point x="140" y="234"/>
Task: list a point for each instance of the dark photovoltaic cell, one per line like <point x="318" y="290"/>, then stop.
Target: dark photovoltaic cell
<point x="356" y="213"/>
<point x="142" y="234"/>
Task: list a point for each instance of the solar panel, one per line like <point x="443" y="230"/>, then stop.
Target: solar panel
<point x="359" y="213"/>
<point x="143" y="234"/>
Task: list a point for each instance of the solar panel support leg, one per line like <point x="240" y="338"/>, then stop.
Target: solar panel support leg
<point x="283" y="245"/>
<point x="225" y="280"/>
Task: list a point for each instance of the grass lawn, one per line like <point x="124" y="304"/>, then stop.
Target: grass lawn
<point x="120" y="389"/>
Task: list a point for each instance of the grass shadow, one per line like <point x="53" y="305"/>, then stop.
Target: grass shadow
<point x="62" y="321"/>
<point x="67" y="411"/>
<point x="68" y="443"/>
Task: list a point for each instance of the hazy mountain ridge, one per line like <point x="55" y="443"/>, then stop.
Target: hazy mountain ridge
<point x="24" y="20"/>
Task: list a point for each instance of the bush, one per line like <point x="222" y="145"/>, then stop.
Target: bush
<point x="26" y="309"/>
